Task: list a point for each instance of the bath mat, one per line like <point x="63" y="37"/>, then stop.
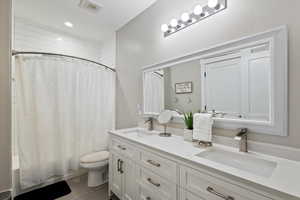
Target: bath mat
<point x="49" y="192"/>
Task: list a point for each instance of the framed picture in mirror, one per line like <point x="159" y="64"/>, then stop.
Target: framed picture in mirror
<point x="184" y="88"/>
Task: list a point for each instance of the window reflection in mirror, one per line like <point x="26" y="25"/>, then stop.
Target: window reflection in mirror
<point x="238" y="85"/>
<point x="154" y="92"/>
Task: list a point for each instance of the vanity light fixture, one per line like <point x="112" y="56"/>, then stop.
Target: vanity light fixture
<point x="199" y="13"/>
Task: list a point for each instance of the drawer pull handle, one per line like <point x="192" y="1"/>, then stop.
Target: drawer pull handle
<point x="121" y="166"/>
<point x="121" y="147"/>
<point x="153" y="183"/>
<point x="118" y="165"/>
<point x="211" y="190"/>
<point x="153" y="163"/>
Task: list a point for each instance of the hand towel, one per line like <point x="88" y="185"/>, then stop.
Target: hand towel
<point x="202" y="124"/>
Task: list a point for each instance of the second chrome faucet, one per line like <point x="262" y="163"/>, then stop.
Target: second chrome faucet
<point x="243" y="139"/>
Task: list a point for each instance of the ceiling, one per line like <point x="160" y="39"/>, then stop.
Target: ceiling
<point x="95" y="26"/>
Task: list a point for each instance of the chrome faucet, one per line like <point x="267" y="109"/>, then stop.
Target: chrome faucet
<point x="242" y="138"/>
<point x="150" y="125"/>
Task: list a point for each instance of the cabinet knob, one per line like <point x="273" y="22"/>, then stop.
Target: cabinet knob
<point x="148" y="198"/>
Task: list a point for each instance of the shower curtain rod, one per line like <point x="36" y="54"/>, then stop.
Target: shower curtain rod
<point x="15" y="53"/>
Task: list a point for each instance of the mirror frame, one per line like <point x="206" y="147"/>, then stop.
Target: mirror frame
<point x="278" y="40"/>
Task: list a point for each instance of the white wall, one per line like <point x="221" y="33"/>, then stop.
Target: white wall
<point x="5" y="104"/>
<point x="30" y="36"/>
<point x="141" y="43"/>
<point x="108" y="56"/>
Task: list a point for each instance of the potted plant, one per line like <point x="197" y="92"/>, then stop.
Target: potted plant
<point x="188" y="131"/>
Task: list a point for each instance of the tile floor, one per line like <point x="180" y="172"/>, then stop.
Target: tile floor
<point x="80" y="191"/>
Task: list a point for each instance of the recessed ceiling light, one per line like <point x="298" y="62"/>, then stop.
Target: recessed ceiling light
<point x="59" y="39"/>
<point x="69" y="24"/>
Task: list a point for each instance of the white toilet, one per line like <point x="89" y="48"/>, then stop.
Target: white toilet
<point x="96" y="163"/>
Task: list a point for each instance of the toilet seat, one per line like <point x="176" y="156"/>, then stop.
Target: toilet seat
<point x="94" y="165"/>
<point x="95" y="159"/>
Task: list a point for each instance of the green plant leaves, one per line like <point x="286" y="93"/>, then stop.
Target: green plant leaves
<point x="188" y="120"/>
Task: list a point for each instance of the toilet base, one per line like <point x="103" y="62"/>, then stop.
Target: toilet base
<point x="97" y="176"/>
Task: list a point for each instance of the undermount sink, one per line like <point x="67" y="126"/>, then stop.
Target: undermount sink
<point x="139" y="132"/>
<point x="241" y="161"/>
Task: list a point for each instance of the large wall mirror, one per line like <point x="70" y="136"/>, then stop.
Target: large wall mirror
<point x="242" y="83"/>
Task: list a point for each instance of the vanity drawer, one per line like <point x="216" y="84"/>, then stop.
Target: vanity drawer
<point x="157" y="184"/>
<point x="211" y="188"/>
<point x="186" y="195"/>
<point x="125" y="149"/>
<point x="145" y="193"/>
<point x="159" y="165"/>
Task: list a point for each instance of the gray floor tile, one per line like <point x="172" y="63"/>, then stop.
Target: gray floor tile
<point x="80" y="190"/>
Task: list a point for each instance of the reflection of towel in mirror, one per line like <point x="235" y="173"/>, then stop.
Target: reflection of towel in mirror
<point x="202" y="127"/>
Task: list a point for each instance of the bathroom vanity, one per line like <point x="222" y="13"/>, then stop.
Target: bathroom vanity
<point x="144" y="166"/>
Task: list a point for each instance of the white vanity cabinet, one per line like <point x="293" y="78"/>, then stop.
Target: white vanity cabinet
<point x="122" y="170"/>
<point x="139" y="172"/>
<point x="115" y="174"/>
<point x="123" y="177"/>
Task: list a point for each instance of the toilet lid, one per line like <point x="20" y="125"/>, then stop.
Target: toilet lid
<point x="95" y="157"/>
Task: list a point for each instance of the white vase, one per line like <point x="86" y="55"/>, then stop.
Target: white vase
<point x="188" y="135"/>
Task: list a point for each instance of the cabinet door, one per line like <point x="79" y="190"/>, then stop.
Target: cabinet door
<point x="115" y="175"/>
<point x="146" y="193"/>
<point x="128" y="168"/>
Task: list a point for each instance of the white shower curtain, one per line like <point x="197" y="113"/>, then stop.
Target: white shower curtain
<point x="154" y="92"/>
<point x="64" y="108"/>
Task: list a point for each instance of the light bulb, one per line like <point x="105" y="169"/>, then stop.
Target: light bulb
<point x="164" y="28"/>
<point x="68" y="24"/>
<point x="174" y="23"/>
<point x="213" y="3"/>
<point x="185" y="17"/>
<point x="198" y="10"/>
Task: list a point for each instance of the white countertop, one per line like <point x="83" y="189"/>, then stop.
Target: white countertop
<point x="285" y="178"/>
